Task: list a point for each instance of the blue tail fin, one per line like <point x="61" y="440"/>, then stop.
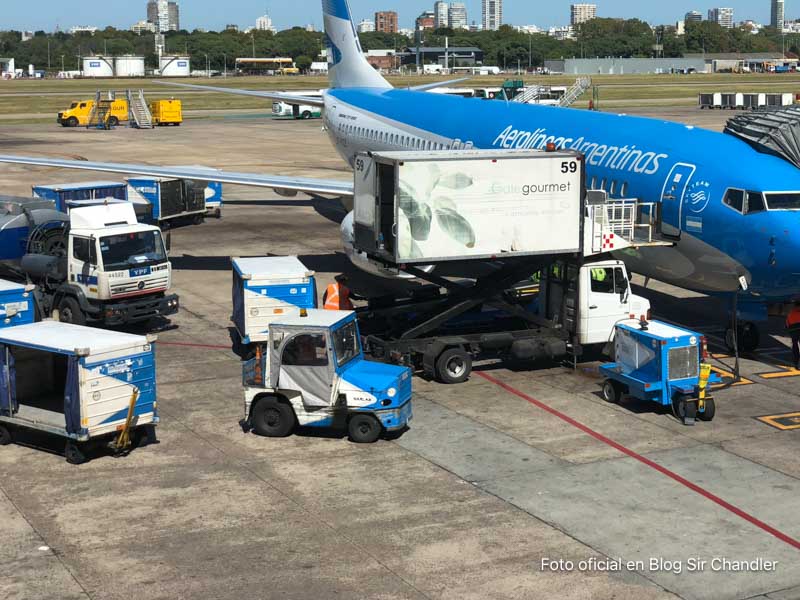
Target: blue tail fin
<point x="347" y="66"/>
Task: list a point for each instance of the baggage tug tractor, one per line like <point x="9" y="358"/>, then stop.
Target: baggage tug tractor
<point x="500" y="217"/>
<point x="97" y="264"/>
<point x="310" y="370"/>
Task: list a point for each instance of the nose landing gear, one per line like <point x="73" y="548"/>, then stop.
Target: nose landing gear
<point x="747" y="337"/>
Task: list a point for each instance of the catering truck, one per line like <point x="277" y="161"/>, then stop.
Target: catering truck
<point x="96" y="264"/>
<point x="497" y="218"/>
<point x="87" y="386"/>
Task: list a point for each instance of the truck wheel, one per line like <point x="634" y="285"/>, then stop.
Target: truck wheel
<point x="69" y="311"/>
<point x="72" y="122"/>
<point x="113" y="121"/>
<point x="74" y="454"/>
<point x="5" y="436"/>
<point x="453" y="366"/>
<point x="364" y="429"/>
<point x="305" y="114"/>
<point x="709" y="412"/>
<point x="612" y="392"/>
<point x="272" y="418"/>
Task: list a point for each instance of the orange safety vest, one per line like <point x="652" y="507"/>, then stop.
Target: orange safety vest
<point x="793" y="320"/>
<point x="337" y="297"/>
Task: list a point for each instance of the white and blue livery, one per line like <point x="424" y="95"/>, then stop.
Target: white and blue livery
<point x="76" y="382"/>
<point x="311" y="372"/>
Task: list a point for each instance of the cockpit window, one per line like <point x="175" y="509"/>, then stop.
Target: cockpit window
<point x="783" y="201"/>
<point x="755" y="202"/>
<point x="735" y="199"/>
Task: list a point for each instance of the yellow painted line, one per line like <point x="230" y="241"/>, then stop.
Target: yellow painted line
<point x="784" y="422"/>
<point x="724" y="373"/>
<point x="786" y="371"/>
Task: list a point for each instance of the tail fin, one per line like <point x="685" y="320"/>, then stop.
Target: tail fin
<point x="347" y="66"/>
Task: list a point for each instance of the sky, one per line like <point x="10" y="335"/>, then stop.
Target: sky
<point x="215" y="14"/>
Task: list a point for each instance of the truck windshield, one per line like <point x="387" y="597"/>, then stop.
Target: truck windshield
<point x="783" y="200"/>
<point x="132" y="249"/>
<point x="346" y="343"/>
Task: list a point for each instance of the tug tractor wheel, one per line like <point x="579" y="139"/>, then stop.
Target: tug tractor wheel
<point x="364" y="429"/>
<point x="709" y="412"/>
<point x="611" y="391"/>
<point x="272" y="418"/>
<point x="74" y="454"/>
<point x="5" y="436"/>
<point x="683" y="410"/>
<point x="453" y="366"/>
<point x="69" y="311"/>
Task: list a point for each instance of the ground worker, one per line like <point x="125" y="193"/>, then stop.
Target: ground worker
<point x="793" y="327"/>
<point x="337" y="295"/>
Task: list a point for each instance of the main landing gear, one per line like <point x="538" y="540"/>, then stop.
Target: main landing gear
<point x="747" y="338"/>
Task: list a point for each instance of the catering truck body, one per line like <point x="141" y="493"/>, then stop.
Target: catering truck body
<point x="84" y="385"/>
<point x="96" y="264"/>
<point x="499" y="218"/>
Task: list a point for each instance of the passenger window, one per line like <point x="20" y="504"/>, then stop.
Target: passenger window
<point x="602" y="280"/>
<point x="755" y="202"/>
<point x="603" y="184"/>
<point x="623" y="191"/>
<point x="83" y="250"/>
<point x="593" y="185"/>
<point x="612" y="190"/>
<point x="735" y="199"/>
<point x="306" y="350"/>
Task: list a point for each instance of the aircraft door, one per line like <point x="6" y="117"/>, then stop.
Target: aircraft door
<point x="672" y="196"/>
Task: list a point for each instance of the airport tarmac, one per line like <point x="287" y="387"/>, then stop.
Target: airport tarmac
<point x="516" y="484"/>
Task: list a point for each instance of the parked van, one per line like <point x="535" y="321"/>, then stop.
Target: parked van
<point x="77" y="115"/>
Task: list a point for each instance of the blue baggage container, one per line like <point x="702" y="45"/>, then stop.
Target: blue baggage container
<point x="16" y="304"/>
<point x="63" y="193"/>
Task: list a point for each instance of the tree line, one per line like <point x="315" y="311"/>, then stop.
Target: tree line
<point x="505" y="47"/>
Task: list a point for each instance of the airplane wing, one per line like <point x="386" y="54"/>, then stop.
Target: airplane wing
<point x="438" y="84"/>
<point x="267" y="95"/>
<point x="282" y="184"/>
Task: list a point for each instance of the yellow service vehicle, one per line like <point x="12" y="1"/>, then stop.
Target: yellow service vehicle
<point x="77" y="115"/>
<point x="167" y="112"/>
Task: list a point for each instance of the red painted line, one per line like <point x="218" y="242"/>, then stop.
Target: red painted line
<point x="646" y="461"/>
<point x="190" y="345"/>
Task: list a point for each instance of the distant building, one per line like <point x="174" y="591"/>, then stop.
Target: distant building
<point x="777" y="15"/>
<point x="27" y="35"/>
<point x="164" y="14"/>
<point x="386" y="21"/>
<point x="366" y="26"/>
<point x="580" y="13"/>
<point x="232" y="27"/>
<point x="457" y="15"/>
<point x="693" y="17"/>
<point x="427" y="20"/>
<point x="492" y="13"/>
<point x="751" y="26"/>
<point x="409" y="33"/>
<point x="441" y="16"/>
<point x="680" y="28"/>
<point x="82" y="29"/>
<point x="144" y="27"/>
<point x="264" y="23"/>
<point x="529" y="29"/>
<point x="721" y="16"/>
<point x="626" y="66"/>
<point x="566" y="32"/>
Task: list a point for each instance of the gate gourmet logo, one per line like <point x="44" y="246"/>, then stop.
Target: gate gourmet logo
<point x="624" y="158"/>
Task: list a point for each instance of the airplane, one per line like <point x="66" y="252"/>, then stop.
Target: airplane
<point x="732" y="209"/>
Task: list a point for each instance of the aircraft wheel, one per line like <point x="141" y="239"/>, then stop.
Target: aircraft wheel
<point x="748" y="337"/>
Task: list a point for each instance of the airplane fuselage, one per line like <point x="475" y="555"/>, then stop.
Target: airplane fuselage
<point x="685" y="169"/>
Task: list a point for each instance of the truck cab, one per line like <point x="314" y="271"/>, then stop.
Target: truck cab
<point x="589" y="299"/>
<point x="311" y="371"/>
<point x="78" y="113"/>
<point x="117" y="269"/>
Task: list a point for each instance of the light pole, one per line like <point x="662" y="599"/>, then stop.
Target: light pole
<point x="208" y="67"/>
<point x="62" y="63"/>
<point x="225" y="60"/>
